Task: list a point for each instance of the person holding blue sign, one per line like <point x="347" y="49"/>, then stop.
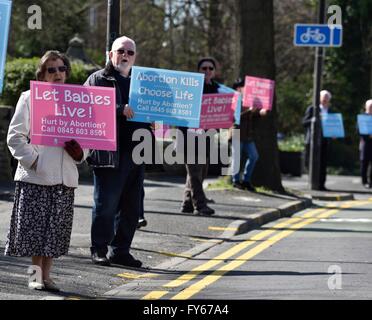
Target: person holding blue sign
<point x="365" y="148"/>
<point x="45" y="182"/>
<point x="325" y="98"/>
<point x="194" y="199"/>
<point x="118" y="181"/>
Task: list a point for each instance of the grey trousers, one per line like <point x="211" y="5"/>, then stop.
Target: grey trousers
<point x="194" y="195"/>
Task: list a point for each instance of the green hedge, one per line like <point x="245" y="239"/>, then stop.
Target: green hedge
<point x="344" y="155"/>
<point x="19" y="72"/>
<point x="293" y="143"/>
<point x="80" y="72"/>
<point x="293" y="97"/>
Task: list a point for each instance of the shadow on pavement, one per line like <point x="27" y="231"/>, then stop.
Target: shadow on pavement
<point x="352" y="191"/>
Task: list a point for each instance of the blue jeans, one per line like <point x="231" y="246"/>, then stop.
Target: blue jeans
<point x="117" y="206"/>
<point x="248" y="148"/>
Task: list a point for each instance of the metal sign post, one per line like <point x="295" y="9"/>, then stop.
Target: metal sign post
<point x="113" y="24"/>
<point x="315" y="142"/>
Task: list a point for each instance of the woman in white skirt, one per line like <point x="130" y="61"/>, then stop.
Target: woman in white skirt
<point x="45" y="180"/>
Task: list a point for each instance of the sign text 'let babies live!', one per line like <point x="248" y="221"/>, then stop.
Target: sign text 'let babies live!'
<point x="62" y="112"/>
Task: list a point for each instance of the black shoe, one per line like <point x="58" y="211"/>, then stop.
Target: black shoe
<point x="238" y="185"/>
<point x="187" y="209"/>
<point x="323" y="188"/>
<point x="141" y="223"/>
<point x="209" y="200"/>
<point x="100" y="259"/>
<point x="126" y="260"/>
<point x="205" y="211"/>
<point x="248" y="186"/>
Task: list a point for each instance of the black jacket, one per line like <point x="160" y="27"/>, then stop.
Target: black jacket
<point x="104" y="158"/>
<point x="207" y="89"/>
<point x="365" y="147"/>
<point x="306" y="122"/>
<point x="246" y="125"/>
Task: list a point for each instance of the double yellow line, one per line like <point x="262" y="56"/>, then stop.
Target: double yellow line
<point x="294" y="223"/>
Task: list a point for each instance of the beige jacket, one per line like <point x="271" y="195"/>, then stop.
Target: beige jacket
<point x="53" y="164"/>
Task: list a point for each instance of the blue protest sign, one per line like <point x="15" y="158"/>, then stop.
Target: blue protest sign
<point x="173" y="97"/>
<point x="5" y="9"/>
<point x="332" y="125"/>
<point x="225" y="89"/>
<point x="365" y="124"/>
<point x="317" y="35"/>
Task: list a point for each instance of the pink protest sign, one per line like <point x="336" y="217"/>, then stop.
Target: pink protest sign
<point x="218" y="110"/>
<point x="61" y="112"/>
<point x="258" y="93"/>
<point x="162" y="130"/>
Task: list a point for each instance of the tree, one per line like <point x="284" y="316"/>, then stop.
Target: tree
<point x="294" y="65"/>
<point x="223" y="37"/>
<point x="60" y="21"/>
<point x="348" y="75"/>
<point x="348" y="69"/>
<point x="175" y="34"/>
<point x="258" y="59"/>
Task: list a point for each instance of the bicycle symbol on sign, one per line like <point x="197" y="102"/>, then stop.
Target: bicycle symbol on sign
<point x="313" y="35"/>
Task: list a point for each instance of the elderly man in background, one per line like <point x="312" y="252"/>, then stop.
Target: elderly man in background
<point x="325" y="98"/>
<point x="365" y="148"/>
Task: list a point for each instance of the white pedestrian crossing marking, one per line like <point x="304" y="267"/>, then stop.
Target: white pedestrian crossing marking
<point x="347" y="220"/>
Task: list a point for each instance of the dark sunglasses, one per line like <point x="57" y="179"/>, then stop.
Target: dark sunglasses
<point x="54" y="70"/>
<point x="207" y="68"/>
<point x="122" y="51"/>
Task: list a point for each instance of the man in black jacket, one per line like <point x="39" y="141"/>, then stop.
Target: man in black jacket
<point x="365" y="148"/>
<point x="118" y="181"/>
<point x="325" y="98"/>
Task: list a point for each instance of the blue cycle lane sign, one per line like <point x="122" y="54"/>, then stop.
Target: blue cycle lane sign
<point x="318" y="35"/>
<point x="5" y="10"/>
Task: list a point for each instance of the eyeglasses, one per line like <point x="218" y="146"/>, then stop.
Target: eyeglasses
<point x="207" y="68"/>
<point x="122" y="51"/>
<point x="54" y="70"/>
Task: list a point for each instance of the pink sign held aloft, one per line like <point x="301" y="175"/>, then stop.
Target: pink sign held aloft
<point x="162" y="131"/>
<point x="258" y="93"/>
<point x="61" y="112"/>
<point x="218" y="110"/>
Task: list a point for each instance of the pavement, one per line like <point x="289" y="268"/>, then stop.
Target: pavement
<point x="169" y="239"/>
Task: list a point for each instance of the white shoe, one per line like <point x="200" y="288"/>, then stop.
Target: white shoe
<point x="34" y="285"/>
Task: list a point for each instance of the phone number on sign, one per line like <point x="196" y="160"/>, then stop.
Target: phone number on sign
<point x="82" y="131"/>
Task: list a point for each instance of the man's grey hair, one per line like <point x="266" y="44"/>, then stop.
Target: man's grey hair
<point x="325" y="93"/>
<point x="368" y="103"/>
<point x="120" y="40"/>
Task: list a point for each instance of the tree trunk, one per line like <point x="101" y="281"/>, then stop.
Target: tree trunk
<point x="214" y="32"/>
<point x="171" y="33"/>
<point x="258" y="60"/>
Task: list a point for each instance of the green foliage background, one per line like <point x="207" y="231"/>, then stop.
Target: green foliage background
<point x="175" y="34"/>
<point x="19" y="73"/>
<point x="347" y="74"/>
<point x="60" y="21"/>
